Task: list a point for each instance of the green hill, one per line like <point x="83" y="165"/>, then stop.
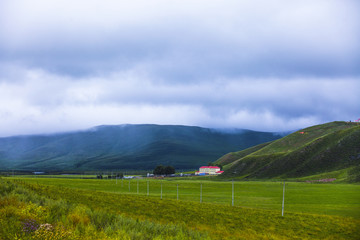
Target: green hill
<point x="322" y="151"/>
<point x="125" y="147"/>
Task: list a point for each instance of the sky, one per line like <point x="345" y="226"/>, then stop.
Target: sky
<point x="266" y="65"/>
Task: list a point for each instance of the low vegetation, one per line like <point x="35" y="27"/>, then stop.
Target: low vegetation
<point x="331" y="199"/>
<point x="30" y="210"/>
<point x="37" y="212"/>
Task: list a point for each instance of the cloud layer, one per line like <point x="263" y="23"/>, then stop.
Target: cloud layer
<point x="263" y="65"/>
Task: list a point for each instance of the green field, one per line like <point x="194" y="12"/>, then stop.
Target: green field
<point x="330" y="199"/>
<point x="312" y="211"/>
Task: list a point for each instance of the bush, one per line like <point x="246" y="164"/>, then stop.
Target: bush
<point x="161" y="170"/>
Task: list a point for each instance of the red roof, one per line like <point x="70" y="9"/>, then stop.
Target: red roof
<point x="219" y="171"/>
<point x="209" y="167"/>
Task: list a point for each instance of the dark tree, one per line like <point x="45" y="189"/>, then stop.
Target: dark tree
<point x="159" y="170"/>
<point x="169" y="170"/>
<point x="162" y="170"/>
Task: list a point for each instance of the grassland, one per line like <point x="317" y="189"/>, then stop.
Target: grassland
<point x="316" y="150"/>
<point x="28" y="212"/>
<point x="100" y="209"/>
<point x="330" y="199"/>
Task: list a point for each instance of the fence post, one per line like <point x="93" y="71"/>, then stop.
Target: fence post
<point x="148" y="188"/>
<point x="232" y="199"/>
<point x="161" y="191"/>
<point x="283" y="201"/>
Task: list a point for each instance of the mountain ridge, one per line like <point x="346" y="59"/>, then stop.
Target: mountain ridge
<point x="125" y="146"/>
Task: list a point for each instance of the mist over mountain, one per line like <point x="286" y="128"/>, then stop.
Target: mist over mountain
<point x="126" y="147"/>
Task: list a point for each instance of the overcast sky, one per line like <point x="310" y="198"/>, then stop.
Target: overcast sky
<point x="269" y="65"/>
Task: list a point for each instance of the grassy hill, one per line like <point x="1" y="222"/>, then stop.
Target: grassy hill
<point x="327" y="150"/>
<point x="125" y="147"/>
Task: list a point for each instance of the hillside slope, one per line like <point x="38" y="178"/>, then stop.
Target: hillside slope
<point x="125" y="147"/>
<point x="312" y="151"/>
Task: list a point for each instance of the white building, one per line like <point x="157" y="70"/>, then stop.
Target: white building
<point x="209" y="170"/>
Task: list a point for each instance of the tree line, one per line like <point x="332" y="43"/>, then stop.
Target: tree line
<point x="164" y="170"/>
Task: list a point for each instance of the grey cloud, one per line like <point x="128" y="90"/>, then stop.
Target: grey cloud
<point x="263" y="65"/>
<point x="259" y="104"/>
<point x="286" y="99"/>
<point x="287" y="40"/>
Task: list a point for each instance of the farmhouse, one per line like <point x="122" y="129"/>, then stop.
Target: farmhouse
<point x="209" y="170"/>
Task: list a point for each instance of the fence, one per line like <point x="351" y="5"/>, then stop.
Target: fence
<point x="232" y="193"/>
<point x="317" y="197"/>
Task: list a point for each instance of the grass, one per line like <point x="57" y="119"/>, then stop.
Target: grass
<point x="340" y="175"/>
<point x="26" y="212"/>
<point x="330" y="199"/>
<point x="296" y="140"/>
<point x="312" y="151"/>
<point x="67" y="176"/>
<point x="228" y="159"/>
<point x="93" y="214"/>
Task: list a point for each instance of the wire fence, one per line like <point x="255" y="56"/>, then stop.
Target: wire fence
<point x="231" y="193"/>
<point x="315" y="197"/>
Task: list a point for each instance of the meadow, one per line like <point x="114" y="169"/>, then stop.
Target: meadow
<point x="100" y="209"/>
<point x="300" y="197"/>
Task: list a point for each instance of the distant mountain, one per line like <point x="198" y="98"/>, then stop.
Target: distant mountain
<point x="322" y="151"/>
<point x="125" y="147"/>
